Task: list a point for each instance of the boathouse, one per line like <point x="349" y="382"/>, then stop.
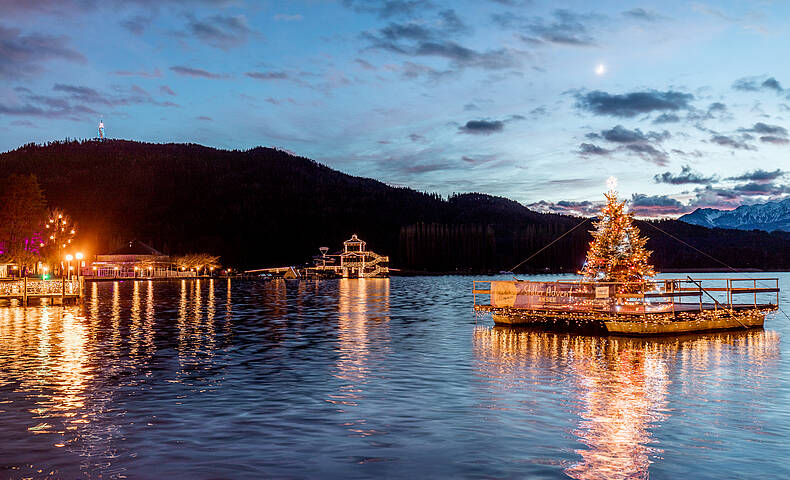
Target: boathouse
<point x="134" y="259"/>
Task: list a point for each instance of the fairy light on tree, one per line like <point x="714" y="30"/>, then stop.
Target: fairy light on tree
<point x="617" y="252"/>
<point x="59" y="233"/>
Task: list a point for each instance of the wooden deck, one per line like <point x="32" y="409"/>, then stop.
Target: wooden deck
<point x="25" y="290"/>
<point x="662" y="307"/>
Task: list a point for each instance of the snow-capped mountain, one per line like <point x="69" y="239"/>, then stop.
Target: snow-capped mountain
<point x="765" y="216"/>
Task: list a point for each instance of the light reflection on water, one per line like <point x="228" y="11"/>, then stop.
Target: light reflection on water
<point x="378" y="377"/>
<point x="619" y="385"/>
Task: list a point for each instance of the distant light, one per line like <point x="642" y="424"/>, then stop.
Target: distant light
<point x="69" y="257"/>
<point x="600" y="69"/>
<point x="79" y="255"/>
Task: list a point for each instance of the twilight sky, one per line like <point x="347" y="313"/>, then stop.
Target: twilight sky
<point x="685" y="102"/>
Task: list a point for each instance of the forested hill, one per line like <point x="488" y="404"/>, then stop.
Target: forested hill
<point x="265" y="207"/>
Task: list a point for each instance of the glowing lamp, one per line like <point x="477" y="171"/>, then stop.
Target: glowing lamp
<point x="69" y="257"/>
<point x="79" y="256"/>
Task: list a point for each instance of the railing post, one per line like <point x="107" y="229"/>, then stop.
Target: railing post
<point x="62" y="290"/>
<point x="24" y="292"/>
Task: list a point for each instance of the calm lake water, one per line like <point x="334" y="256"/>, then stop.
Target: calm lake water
<point x="374" y="378"/>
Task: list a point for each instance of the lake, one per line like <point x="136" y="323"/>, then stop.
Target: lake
<point x="375" y="378"/>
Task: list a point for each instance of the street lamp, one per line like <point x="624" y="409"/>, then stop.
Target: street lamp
<point x="79" y="263"/>
<point x="135" y="272"/>
<point x="69" y="258"/>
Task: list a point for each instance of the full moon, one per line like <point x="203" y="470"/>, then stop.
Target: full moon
<point x="600" y="69"/>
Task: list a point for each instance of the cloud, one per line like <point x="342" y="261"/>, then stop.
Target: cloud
<point x="482" y="127"/>
<point x="686" y="176"/>
<point x="165" y="90"/>
<point x="755" y="84"/>
<point x="140" y="73"/>
<point x="565" y="28"/>
<point x="666" y="118"/>
<point x="644" y="15"/>
<point x="620" y="134"/>
<point x="632" y="104"/>
<point x="655" y="205"/>
<point x="630" y="141"/>
<point x="760" y="175"/>
<point x="729" y="141"/>
<point x="389" y="8"/>
<point x="220" y="31"/>
<point x="713" y="197"/>
<point x="566" y="207"/>
<point x="766" y="129"/>
<point x="23" y="54"/>
<point x="761" y="189"/>
<point x="195" y="72"/>
<point x="774" y="139"/>
<point x="648" y="152"/>
<point x="437" y="39"/>
<point x="586" y="149"/>
<point x="487" y="127"/>
<point x="365" y="64"/>
<point x="137" y="24"/>
<point x="267" y="75"/>
<point x="205" y="118"/>
<point x="284" y="17"/>
<point x="75" y="102"/>
<point x="88" y="95"/>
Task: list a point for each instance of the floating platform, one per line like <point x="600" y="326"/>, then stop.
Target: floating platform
<point x="648" y="308"/>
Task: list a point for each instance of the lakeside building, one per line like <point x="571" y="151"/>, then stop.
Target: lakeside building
<point x="135" y="259"/>
<point x="355" y="261"/>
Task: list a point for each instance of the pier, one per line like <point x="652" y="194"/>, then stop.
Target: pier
<point x="57" y="291"/>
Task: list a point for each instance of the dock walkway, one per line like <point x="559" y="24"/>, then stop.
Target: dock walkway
<point x="57" y="291"/>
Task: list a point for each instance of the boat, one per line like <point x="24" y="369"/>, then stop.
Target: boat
<point x="617" y="292"/>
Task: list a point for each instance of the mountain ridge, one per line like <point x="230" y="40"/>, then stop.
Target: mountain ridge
<point x="769" y="217"/>
<point x="267" y="207"/>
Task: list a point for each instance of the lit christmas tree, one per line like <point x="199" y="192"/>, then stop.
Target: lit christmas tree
<point x="617" y="252"/>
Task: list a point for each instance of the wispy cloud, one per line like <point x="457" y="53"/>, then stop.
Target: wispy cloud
<point x="196" y="72"/>
<point x="24" y="54"/>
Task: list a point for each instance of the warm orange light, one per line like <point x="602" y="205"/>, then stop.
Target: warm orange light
<point x="69" y="257"/>
<point x="79" y="255"/>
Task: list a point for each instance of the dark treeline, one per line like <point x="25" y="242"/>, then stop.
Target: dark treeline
<point x="265" y="207"/>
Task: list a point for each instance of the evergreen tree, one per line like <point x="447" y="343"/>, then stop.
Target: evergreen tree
<point x="22" y="210"/>
<point x="617" y="252"/>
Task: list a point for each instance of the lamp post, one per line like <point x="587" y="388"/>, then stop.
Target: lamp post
<point x="69" y="258"/>
<point x="79" y="263"/>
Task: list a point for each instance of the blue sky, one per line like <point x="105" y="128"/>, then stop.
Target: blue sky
<point x="685" y="102"/>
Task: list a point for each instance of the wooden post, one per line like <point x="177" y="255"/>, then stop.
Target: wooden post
<point x="24" y="292"/>
<point x="62" y="290"/>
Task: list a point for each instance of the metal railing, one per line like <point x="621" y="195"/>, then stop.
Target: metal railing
<point x="28" y="287"/>
<point x="660" y="295"/>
